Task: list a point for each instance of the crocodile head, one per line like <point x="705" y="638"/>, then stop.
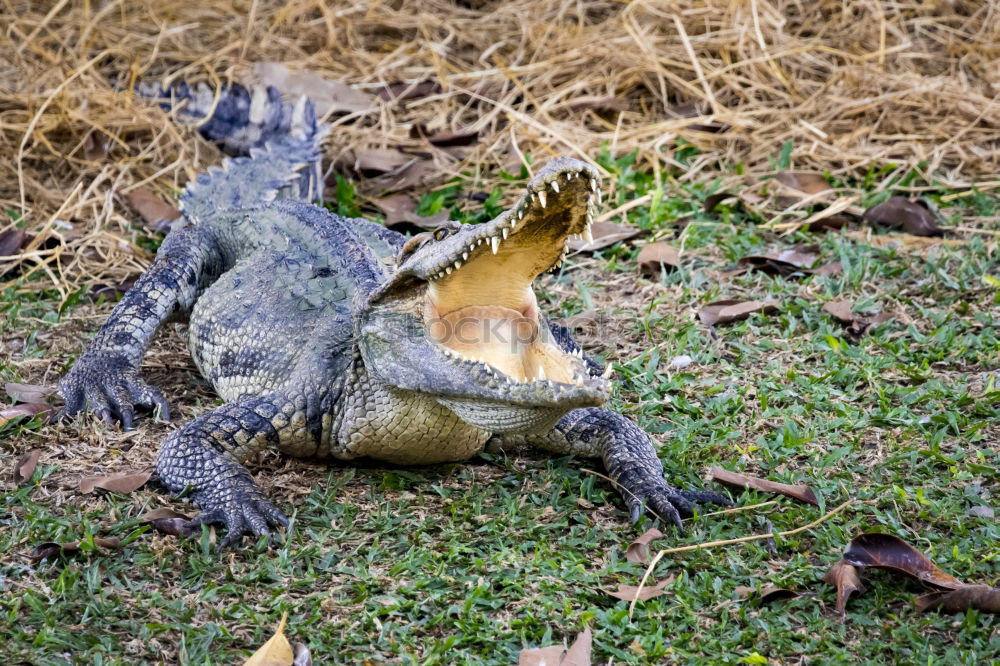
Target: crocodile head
<point x="458" y="319"/>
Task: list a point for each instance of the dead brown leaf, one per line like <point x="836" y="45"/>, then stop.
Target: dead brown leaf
<point x="845" y="578"/>
<point x="444" y="138"/>
<point x="52" y="549"/>
<point x="901" y="213"/>
<point x="277" y="651"/>
<point x="168" y="521"/>
<point x="124" y="483"/>
<point x="783" y="262"/>
<point x="638" y="550"/>
<point x="376" y="161"/>
<point x="28" y="392"/>
<point x="24" y="468"/>
<point x="831" y="268"/>
<point x="655" y="257"/>
<point x="578" y="653"/>
<point x="728" y="311"/>
<point x="980" y="597"/>
<point x="801" y="492"/>
<point x="885" y="551"/>
<point x="25" y="409"/>
<point x="855" y="325"/>
<point x="11" y="242"/>
<point x="605" y="235"/>
<point x="632" y="592"/>
<point x="772" y="593"/>
<point x="328" y="96"/>
<point x="155" y="212"/>
<point x="401" y="210"/>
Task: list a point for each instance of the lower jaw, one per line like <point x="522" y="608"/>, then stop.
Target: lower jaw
<point x="506" y="419"/>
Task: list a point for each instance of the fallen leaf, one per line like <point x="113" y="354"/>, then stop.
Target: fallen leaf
<point x="156" y="212"/>
<point x="605" y="235"/>
<point x="638" y="550"/>
<point x="633" y="592"/>
<point x="444" y="138"/>
<point x="654" y="257"/>
<point x="728" y="311"/>
<point x="829" y="223"/>
<point x="713" y="200"/>
<point x="95" y="146"/>
<point x="11" y="241"/>
<point x="980" y="597"/>
<point x="885" y="551"/>
<point x="372" y="162"/>
<point x="845" y="578"/>
<point x="802" y="181"/>
<point x="578" y="653"/>
<point x="901" y="213"/>
<point x="113" y="291"/>
<point x="784" y="262"/>
<point x="401" y="210"/>
<point x="831" y="268"/>
<point x="28" y="392"/>
<point x="168" y="521"/>
<point x="52" y="549"/>
<point x="801" y="492"/>
<point x="417" y="173"/>
<point x="841" y="310"/>
<point x="28" y="409"/>
<point x="24" y="468"/>
<point x="743" y="591"/>
<point x="772" y="593"/>
<point x="126" y="482"/>
<point x="855" y="324"/>
<point x="277" y="651"/>
<point x="327" y="95"/>
<point x="399" y="92"/>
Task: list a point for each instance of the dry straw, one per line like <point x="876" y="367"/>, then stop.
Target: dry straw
<point x="852" y="83"/>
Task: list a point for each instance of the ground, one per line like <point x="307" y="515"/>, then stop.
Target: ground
<point x="468" y="563"/>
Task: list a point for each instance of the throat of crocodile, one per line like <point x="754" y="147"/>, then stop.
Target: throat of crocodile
<point x="486" y="311"/>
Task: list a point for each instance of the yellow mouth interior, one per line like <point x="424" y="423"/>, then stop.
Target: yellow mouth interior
<point x="483" y="309"/>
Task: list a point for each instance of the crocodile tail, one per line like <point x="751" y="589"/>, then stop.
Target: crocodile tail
<point x="276" y="144"/>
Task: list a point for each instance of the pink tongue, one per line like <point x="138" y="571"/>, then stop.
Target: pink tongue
<point x="493" y="334"/>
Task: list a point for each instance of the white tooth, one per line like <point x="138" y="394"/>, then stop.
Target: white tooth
<point x="458" y="264"/>
<point x="520" y="214"/>
<point x="555" y="186"/>
<point x="494" y="244"/>
<point x="448" y="270"/>
<point x="587" y="235"/>
<point x="593" y="184"/>
<point x="479" y="242"/>
<point x="504" y="232"/>
<point x="465" y="256"/>
<point x="608" y="371"/>
<point x="541" y="198"/>
<point x="541" y="372"/>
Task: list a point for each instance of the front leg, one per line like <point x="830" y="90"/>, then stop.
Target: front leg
<point x="630" y="460"/>
<point x="204" y="458"/>
<point x="106" y="376"/>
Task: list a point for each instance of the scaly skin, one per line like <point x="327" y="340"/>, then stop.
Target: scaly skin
<point x="317" y="331"/>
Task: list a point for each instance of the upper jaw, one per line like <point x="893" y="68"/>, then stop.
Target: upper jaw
<point x="562" y="197"/>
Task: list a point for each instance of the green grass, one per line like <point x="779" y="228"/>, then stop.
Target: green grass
<point x="469" y="563"/>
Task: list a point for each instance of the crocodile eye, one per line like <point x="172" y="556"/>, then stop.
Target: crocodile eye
<point x="442" y="232"/>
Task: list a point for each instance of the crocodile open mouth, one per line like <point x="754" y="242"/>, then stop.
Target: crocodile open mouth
<point x="480" y="306"/>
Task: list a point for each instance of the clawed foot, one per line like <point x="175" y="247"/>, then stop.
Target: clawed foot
<point x="671" y="504"/>
<point x="245" y="512"/>
<point x="109" y="385"/>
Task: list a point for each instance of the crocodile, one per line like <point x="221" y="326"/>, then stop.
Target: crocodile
<point x="338" y="338"/>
